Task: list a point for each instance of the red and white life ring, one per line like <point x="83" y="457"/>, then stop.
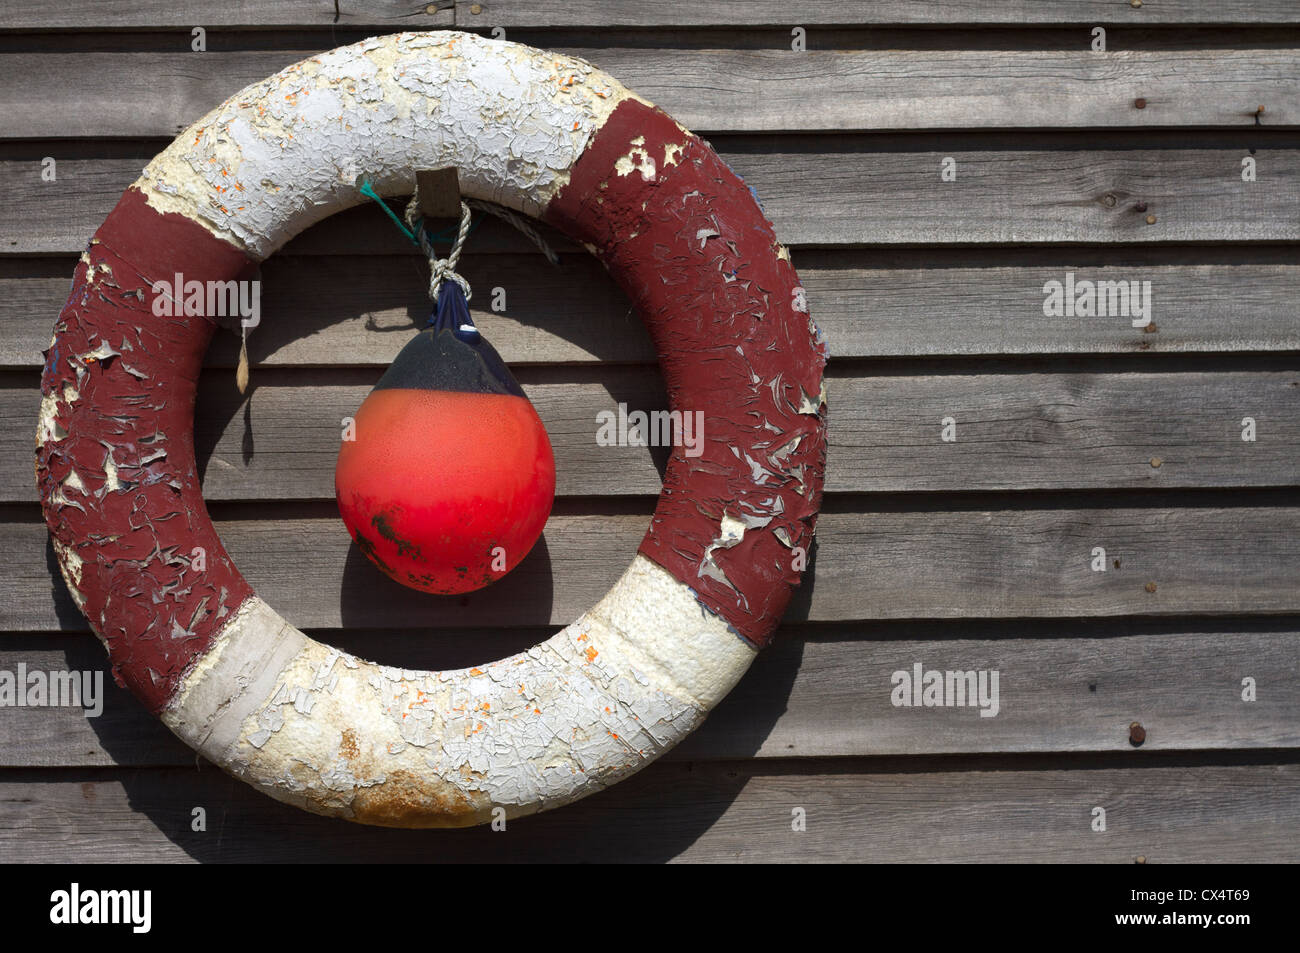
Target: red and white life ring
<point x="544" y="134"/>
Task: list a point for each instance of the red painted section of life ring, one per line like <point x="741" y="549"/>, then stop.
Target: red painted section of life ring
<point x="154" y="612"/>
<point x="691" y="248"/>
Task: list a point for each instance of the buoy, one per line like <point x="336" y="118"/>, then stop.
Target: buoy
<point x="449" y="476"/>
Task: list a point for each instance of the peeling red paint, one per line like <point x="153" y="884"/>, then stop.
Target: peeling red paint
<point x="120" y="488"/>
<point x="684" y="237"/>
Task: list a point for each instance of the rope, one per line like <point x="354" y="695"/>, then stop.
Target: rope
<point x="443" y="269"/>
<point x="521" y="223"/>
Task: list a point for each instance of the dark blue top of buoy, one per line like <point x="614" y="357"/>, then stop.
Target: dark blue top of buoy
<point x="450" y="354"/>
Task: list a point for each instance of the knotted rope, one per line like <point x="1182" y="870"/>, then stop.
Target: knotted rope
<point x="441" y="269"/>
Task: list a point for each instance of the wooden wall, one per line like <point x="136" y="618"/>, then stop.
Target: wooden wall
<point x="1072" y="432"/>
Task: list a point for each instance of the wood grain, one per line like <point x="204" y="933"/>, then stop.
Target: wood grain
<point x="890" y="564"/>
<point x="823" y="691"/>
<point x="1017" y="810"/>
<point x="79" y="15"/>
<point x="1039" y="431"/>
<point x="327" y="310"/>
<point x="863" y="197"/>
<point x="156" y="14"/>
<point x="730" y="90"/>
<point x="737" y="13"/>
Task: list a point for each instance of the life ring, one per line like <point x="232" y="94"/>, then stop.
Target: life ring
<point x="544" y="134"/>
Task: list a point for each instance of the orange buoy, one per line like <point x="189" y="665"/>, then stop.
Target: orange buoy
<point x="450" y="476"/>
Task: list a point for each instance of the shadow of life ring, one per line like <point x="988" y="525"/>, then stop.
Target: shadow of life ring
<point x="547" y="135"/>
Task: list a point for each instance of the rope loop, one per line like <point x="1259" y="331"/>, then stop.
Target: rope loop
<point x="443" y="269"/>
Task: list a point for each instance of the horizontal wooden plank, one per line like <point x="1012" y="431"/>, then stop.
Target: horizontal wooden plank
<point x="856" y="811"/>
<point x="733" y="13"/>
<point x="157" y="14"/>
<point x="730" y="90"/>
<point x="1070" y="687"/>
<point x="322" y="310"/>
<point x="893" y="564"/>
<point x="1013" y="431"/>
<point x="833" y="193"/>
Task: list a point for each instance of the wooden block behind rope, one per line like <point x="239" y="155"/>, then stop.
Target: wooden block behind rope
<point x="439" y="193"/>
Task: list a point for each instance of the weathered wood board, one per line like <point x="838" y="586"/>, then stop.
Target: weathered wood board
<point x="413" y="15"/>
<point x="350" y="311"/>
<point x="1036" y="431"/>
<point x="823" y="691"/>
<point x="896" y="563"/>
<point x="866" y="194"/>
<point x="777" y="90"/>
<point x="911" y="810"/>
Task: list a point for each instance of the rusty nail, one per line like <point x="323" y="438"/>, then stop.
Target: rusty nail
<point x="1150" y="587"/>
<point x="1259" y="110"/>
<point x="1156" y="462"/>
<point x="1151" y="328"/>
<point x="1140" y="207"/>
<point x="1136" y="734"/>
<point x="1140" y="103"/>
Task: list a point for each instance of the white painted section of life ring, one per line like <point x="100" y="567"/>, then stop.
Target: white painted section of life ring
<point x="285" y="152"/>
<point x="331" y="733"/>
<point x="320" y="728"/>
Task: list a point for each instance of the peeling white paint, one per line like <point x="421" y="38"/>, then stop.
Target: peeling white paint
<point x="284" y="153"/>
<point x="48" y="428"/>
<point x="809" y="405"/>
<point x="731" y="531"/>
<point x="111" y="482"/>
<point x="637" y="159"/>
<point x="102" y="352"/>
<point x="322" y="729"/>
<point x="73" y="482"/>
<point x="70" y="564"/>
